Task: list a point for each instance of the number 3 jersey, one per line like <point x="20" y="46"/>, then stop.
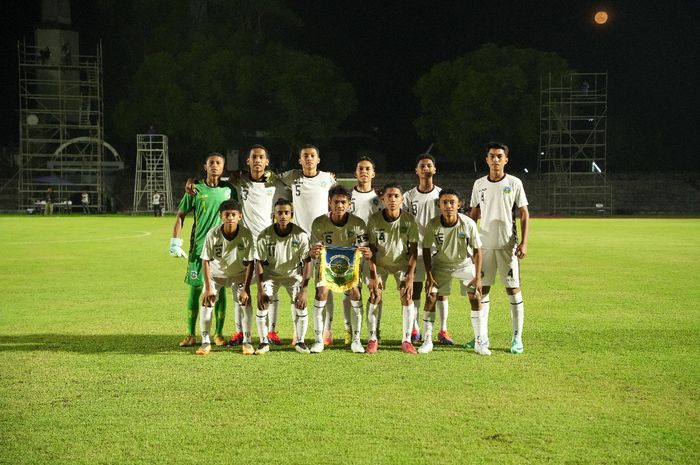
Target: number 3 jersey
<point x="352" y="233"/>
<point x="454" y="244"/>
<point x="282" y="256"/>
<point x="257" y="200"/>
<point x="225" y="256"/>
<point x="497" y="202"/>
<point x="391" y="239"/>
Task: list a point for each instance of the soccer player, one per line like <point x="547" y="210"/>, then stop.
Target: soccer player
<point x="227" y="261"/>
<point x="338" y="228"/>
<point x="393" y="238"/>
<point x="495" y="198"/>
<point x="457" y="255"/>
<point x="283" y="261"/>
<point x="422" y="203"/>
<point x="205" y="206"/>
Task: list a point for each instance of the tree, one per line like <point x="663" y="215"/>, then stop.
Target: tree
<point x="491" y="93"/>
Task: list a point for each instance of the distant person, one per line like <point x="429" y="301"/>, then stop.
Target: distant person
<point x="49" y="198"/>
<point x="585" y="87"/>
<point x="85" y="202"/>
<point x="152" y="130"/>
<point x="157" y="209"/>
<point x="496" y="198"/>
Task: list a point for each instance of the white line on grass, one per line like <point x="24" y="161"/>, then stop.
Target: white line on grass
<point x="96" y="239"/>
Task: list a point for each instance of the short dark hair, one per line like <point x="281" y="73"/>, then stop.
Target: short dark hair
<point x="425" y="156"/>
<point x="391" y="185"/>
<point x="284" y="201"/>
<point x="449" y="191"/>
<point x="310" y="146"/>
<point x="496" y="145"/>
<point x="230" y="204"/>
<point x="215" y="154"/>
<point x="258" y="146"/>
<point x="366" y="158"/>
<point x="339" y="189"/>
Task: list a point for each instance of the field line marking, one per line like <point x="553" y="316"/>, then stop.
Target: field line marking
<point x="97" y="239"/>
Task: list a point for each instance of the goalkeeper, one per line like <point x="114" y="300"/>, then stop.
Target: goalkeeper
<point x="205" y="207"/>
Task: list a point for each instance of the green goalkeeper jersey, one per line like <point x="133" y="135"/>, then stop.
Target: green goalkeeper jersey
<point x="205" y="207"/>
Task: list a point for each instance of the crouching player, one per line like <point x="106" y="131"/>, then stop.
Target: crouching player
<point x="339" y="228"/>
<point x="456" y="240"/>
<point x="393" y="239"/>
<point x="227" y="261"/>
<point x="283" y="261"/>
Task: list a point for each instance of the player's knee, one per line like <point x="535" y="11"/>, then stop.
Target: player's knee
<point x="511" y="290"/>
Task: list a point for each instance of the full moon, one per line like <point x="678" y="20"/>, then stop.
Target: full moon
<point x="601" y="17"/>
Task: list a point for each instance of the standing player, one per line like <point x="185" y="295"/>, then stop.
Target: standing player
<point x="393" y="237"/>
<point x="495" y="198"/>
<point x="283" y="261"/>
<point x="339" y="228"/>
<point x="227" y="261"/>
<point x="456" y="241"/>
<point x="205" y="207"/>
<point x="422" y="203"/>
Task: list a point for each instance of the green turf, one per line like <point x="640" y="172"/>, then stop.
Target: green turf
<point x="91" y="372"/>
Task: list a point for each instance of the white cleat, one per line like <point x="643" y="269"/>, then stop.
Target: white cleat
<point x="316" y="348"/>
<point x="357" y="348"/>
<point x="426" y="347"/>
<point x="481" y="349"/>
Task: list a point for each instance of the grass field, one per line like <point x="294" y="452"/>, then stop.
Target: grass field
<point x="91" y="372"/>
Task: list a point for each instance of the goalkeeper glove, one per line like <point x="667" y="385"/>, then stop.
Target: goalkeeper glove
<point x="176" y="249"/>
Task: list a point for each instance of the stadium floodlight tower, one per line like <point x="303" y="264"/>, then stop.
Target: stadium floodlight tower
<point x="152" y="173"/>
<point x="61" y="131"/>
<point x="573" y="144"/>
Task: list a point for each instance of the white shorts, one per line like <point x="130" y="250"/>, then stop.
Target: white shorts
<point x="444" y="277"/>
<point x="236" y="285"/>
<point x="399" y="276"/>
<point x="292" y="285"/>
<point x="503" y="260"/>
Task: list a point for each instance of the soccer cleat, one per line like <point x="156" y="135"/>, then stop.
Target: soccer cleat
<point x="316" y="348"/>
<point x="247" y="349"/>
<point x="263" y="348"/>
<point x="236" y="339"/>
<point x="372" y="346"/>
<point x="189" y="341"/>
<point x="219" y="340"/>
<point x="481" y="348"/>
<point x="327" y="337"/>
<point x="274" y="338"/>
<point x="516" y="347"/>
<point x="415" y="335"/>
<point x="469" y="345"/>
<point x="445" y="339"/>
<point x="301" y="348"/>
<point x="407" y="347"/>
<point x="426" y="347"/>
<point x="204" y="349"/>
<point x="357" y="348"/>
<point x="348" y="337"/>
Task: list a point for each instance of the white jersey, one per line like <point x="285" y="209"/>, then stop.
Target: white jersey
<point x="257" y="200"/>
<point x="423" y="206"/>
<point x="226" y="257"/>
<point x="455" y="244"/>
<point x="363" y="204"/>
<point x="353" y="233"/>
<point x="391" y="239"/>
<point x="156" y="199"/>
<point x="497" y="202"/>
<point x="282" y="256"/>
<point x="309" y="195"/>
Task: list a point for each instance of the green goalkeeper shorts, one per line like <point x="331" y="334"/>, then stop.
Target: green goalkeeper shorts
<point x="194" y="276"/>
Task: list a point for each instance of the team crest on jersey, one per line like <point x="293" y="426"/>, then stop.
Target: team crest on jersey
<point x="194" y="274"/>
<point x="375" y="201"/>
<point x="403" y="229"/>
<point x="239" y="246"/>
<point x="350" y="233"/>
<point x="507" y="189"/>
<point x="295" y="243"/>
<point x="461" y="235"/>
<point x="270" y="191"/>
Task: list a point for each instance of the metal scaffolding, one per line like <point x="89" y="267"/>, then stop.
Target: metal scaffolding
<point x="152" y="173"/>
<point x="61" y="124"/>
<point x="573" y="143"/>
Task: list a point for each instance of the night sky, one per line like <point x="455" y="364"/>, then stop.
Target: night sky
<point x="650" y="49"/>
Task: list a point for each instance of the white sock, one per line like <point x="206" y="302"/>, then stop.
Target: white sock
<point x="517" y="315"/>
<point x="205" y="323"/>
<point x="261" y="322"/>
<point x="356" y="319"/>
<point x="417" y="308"/>
<point x="428" y="319"/>
<point x="443" y="311"/>
<point x="347" y="313"/>
<point x="328" y="322"/>
<point x="237" y="318"/>
<point x="485" y="305"/>
<point x="273" y="313"/>
<point x="372" y="310"/>
<point x="302" y="323"/>
<point x="317" y="315"/>
<point x="247" y="323"/>
<point x="477" y="326"/>
<point x="408" y="317"/>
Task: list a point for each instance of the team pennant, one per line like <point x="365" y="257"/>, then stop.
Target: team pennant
<point x="340" y="267"/>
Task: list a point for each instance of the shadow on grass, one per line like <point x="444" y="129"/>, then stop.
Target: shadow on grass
<point x="144" y="344"/>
